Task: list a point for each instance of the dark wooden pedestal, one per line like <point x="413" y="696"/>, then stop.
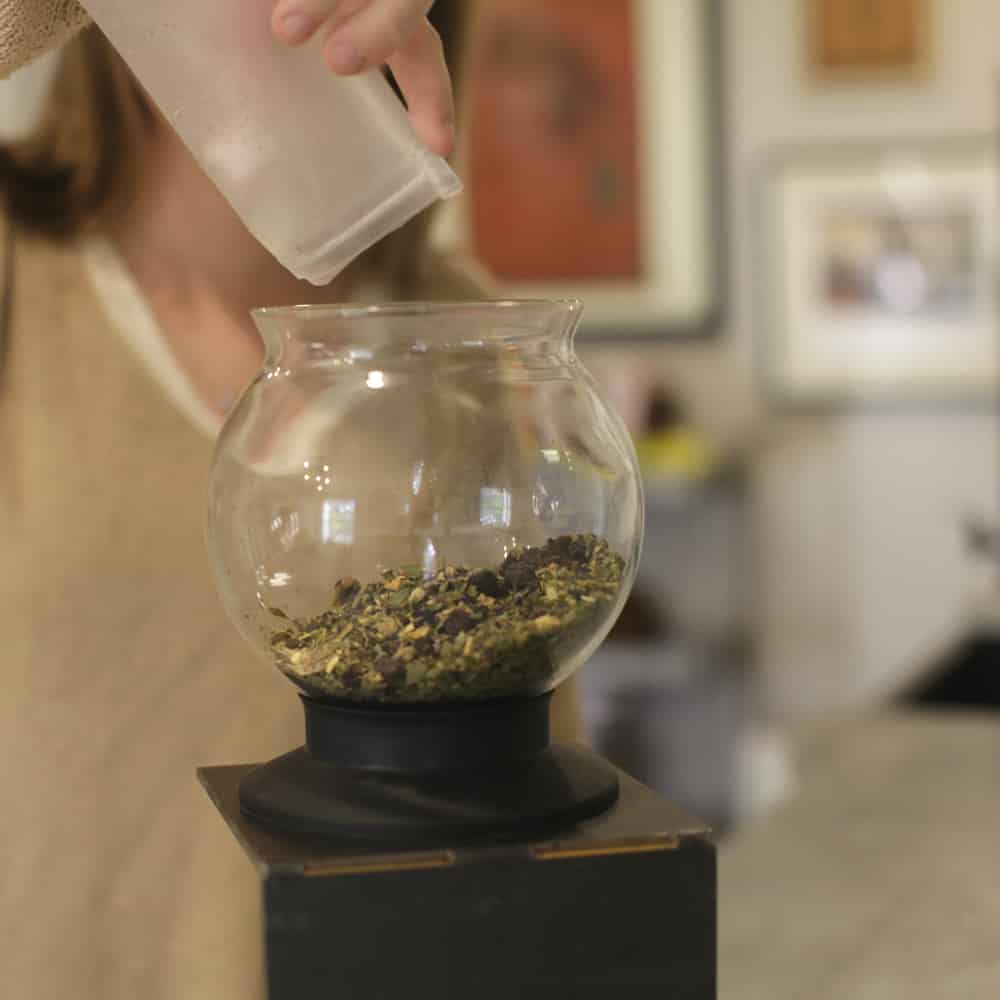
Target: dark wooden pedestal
<point x="622" y="906"/>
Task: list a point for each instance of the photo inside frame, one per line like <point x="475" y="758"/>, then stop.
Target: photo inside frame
<point x="880" y="260"/>
<point x="868" y="38"/>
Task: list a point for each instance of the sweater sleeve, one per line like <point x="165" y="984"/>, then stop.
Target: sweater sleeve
<point x="29" y="28"/>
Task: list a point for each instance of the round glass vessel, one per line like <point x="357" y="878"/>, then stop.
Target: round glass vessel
<point x="422" y="504"/>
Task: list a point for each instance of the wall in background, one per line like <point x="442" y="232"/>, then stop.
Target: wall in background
<point x="860" y="573"/>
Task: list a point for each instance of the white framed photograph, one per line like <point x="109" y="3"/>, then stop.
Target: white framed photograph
<point x="878" y="273"/>
<point x="591" y="159"/>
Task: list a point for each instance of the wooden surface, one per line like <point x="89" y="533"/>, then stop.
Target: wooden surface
<point x="880" y="880"/>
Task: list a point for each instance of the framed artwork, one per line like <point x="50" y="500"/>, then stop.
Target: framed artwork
<point x="591" y="158"/>
<point x="868" y="39"/>
<point x="878" y="273"/>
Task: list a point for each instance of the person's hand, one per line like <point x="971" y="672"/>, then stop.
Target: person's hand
<point x="359" y="34"/>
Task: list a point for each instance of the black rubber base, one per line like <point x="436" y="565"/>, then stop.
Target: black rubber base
<point x="557" y="787"/>
<point x="409" y="738"/>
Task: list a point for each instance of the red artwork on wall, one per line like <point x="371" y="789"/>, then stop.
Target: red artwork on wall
<point x="553" y="165"/>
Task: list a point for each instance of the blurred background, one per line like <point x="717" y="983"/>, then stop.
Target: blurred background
<point x="781" y="216"/>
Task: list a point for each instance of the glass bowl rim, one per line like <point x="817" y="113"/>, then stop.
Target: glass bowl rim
<point x="360" y="311"/>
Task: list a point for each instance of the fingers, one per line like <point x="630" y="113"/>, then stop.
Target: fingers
<point x="375" y="33"/>
<point x="420" y="70"/>
<point x="296" y="21"/>
<point x="377" y="28"/>
<point x="360" y="34"/>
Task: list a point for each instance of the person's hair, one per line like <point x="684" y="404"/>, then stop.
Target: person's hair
<point x="80" y="164"/>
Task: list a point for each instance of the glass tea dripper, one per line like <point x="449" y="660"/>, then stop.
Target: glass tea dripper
<point x="426" y="517"/>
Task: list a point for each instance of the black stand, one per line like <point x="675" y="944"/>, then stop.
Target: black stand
<point x="426" y="775"/>
<point x="619" y="906"/>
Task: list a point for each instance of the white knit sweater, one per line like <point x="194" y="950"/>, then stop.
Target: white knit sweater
<point x="29" y="28"/>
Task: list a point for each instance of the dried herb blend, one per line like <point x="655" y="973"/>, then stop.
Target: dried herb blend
<point x="462" y="633"/>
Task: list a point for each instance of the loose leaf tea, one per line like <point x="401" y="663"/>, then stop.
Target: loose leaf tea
<point x="459" y="634"/>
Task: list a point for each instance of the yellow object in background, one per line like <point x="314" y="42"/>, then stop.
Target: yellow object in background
<point x="680" y="453"/>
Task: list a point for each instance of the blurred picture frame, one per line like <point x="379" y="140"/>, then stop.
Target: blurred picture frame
<point x="868" y="41"/>
<point x="877" y="273"/>
<point x="592" y="160"/>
